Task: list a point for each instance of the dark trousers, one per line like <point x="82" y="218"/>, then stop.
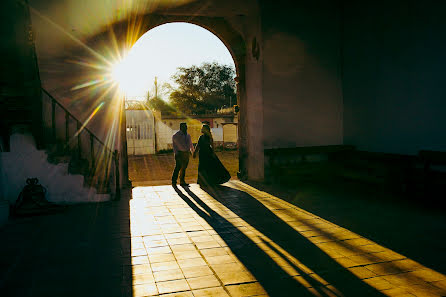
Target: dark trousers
<point x="181" y="162"/>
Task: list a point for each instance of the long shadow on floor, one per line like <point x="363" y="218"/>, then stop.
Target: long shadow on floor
<point x="270" y="275"/>
<point x="378" y="214"/>
<point x="82" y="251"/>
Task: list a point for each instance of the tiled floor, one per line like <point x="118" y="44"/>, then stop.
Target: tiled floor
<point x="230" y="241"/>
<point x="149" y="170"/>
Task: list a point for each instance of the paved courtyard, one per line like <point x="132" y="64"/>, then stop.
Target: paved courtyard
<point x="149" y="170"/>
<point x="234" y="240"/>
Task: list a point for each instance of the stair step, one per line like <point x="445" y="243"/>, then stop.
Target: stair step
<point x="78" y="166"/>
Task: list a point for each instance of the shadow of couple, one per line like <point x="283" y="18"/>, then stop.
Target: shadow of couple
<point x="313" y="272"/>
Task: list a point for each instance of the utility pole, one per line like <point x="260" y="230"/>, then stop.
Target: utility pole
<point x="156" y="87"/>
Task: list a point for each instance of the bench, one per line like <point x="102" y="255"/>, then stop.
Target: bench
<point x="285" y="165"/>
<point x="380" y="170"/>
<point x="427" y="176"/>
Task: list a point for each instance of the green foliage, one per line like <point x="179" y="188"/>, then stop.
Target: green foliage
<point x="159" y="104"/>
<point x="203" y="89"/>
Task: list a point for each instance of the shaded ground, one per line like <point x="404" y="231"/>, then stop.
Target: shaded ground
<point x="81" y="251"/>
<point x="414" y="228"/>
<point x="157" y="169"/>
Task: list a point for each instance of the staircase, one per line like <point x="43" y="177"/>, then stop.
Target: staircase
<point x="79" y="153"/>
<point x="72" y="163"/>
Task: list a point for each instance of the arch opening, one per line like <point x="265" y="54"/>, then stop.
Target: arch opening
<point x="169" y="62"/>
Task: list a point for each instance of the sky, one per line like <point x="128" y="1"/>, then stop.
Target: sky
<point x="161" y="50"/>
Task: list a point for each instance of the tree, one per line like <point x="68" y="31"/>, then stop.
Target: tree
<point x="203" y="89"/>
<point x="159" y="104"/>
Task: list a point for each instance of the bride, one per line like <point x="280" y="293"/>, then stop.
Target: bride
<point x="210" y="170"/>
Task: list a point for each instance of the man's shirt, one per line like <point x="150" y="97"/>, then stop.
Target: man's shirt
<point x="182" y="142"/>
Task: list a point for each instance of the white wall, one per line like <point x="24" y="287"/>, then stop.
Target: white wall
<point x="163" y="136"/>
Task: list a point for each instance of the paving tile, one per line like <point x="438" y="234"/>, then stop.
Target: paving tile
<point x="425" y="290"/>
<point x="138" y="252"/>
<point x="187" y="255"/>
<point x="156" y="258"/>
<point x="388" y="255"/>
<point x="159" y="250"/>
<point x="175" y="235"/>
<point x="193" y="228"/>
<point x="202" y="282"/>
<point x="164" y="266"/>
<point x="140" y="260"/>
<point x="180" y="294"/>
<point x="202" y="238"/>
<point x="407" y="265"/>
<point x="400" y="292"/>
<point x="244" y="290"/>
<point x="197" y="271"/>
<point x="380" y="283"/>
<point x="211" y="292"/>
<point x="427" y="275"/>
<point x="346" y="262"/>
<point x="141" y="269"/>
<point x="235" y="277"/>
<point x="362" y="272"/>
<point x="214" y="252"/>
<point x="224" y="259"/>
<point x="183" y="248"/>
<point x="156" y="243"/>
<point x="207" y="244"/>
<point x="383" y="268"/>
<point x="440" y="284"/>
<point x="172" y="286"/>
<point x="191" y="262"/>
<point x="231" y="267"/>
<point x="181" y="240"/>
<point x="145" y="278"/>
<point x="153" y="238"/>
<point x="145" y="290"/>
<point x="167" y="275"/>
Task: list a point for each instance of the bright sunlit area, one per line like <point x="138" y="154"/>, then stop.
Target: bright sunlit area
<point x="174" y="73"/>
<point x="159" y="53"/>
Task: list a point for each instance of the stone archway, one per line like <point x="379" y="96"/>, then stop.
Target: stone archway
<point x="233" y="41"/>
<point x="236" y="24"/>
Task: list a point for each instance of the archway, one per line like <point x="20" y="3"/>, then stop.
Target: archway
<point x="71" y="82"/>
<point x="151" y="121"/>
<point x="235" y="44"/>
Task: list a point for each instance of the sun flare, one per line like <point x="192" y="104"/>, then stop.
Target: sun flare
<point x="131" y="75"/>
<point x="121" y="74"/>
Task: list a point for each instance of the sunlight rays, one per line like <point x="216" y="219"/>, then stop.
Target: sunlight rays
<point x="100" y="88"/>
<point x="71" y="36"/>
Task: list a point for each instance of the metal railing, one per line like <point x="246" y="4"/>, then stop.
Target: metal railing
<point x="100" y="163"/>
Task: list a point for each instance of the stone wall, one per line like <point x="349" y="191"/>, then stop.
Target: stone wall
<point x="394" y="93"/>
<point x="302" y="95"/>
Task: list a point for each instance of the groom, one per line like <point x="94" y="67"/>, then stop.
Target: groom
<point x="182" y="148"/>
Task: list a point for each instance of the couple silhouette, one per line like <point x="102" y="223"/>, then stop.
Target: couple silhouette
<point x="210" y="170"/>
